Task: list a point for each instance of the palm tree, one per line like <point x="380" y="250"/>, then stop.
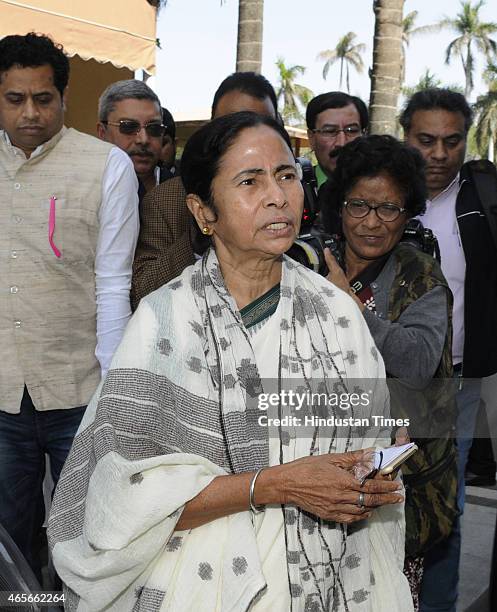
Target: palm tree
<point x="486" y="114"/>
<point x="387" y="66"/>
<point x="158" y="4"/>
<point x="348" y="53"/>
<point x="428" y="81"/>
<point x="290" y="94"/>
<point x="408" y="30"/>
<point x="249" y="42"/>
<point x="471" y="31"/>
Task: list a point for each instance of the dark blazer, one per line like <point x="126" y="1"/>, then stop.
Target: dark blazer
<point x="476" y="212"/>
<point x="164" y="247"/>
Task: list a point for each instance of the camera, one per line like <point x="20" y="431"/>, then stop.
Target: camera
<point x="308" y="248"/>
<point x="310" y="187"/>
<point x="421" y="238"/>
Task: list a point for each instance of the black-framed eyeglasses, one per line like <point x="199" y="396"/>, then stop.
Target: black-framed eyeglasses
<point x="386" y="211"/>
<point x="350" y="132"/>
<point x="154" y="129"/>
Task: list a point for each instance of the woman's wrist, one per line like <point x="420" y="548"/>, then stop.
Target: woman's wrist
<point x="269" y="487"/>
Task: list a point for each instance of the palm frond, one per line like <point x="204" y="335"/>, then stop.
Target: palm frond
<point x="327" y="66"/>
<point x="454" y="47"/>
<point x="356" y="63"/>
<point x="434" y="28"/>
<point x="486" y="118"/>
<point x="326" y="55"/>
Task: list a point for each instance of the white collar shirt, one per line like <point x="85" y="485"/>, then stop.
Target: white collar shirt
<point x="440" y="217"/>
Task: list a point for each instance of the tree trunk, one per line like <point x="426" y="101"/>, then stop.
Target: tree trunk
<point x="387" y="66"/>
<point x="491" y="148"/>
<point x="249" y="44"/>
<point x="467" y="72"/>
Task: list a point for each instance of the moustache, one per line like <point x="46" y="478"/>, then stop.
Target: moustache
<point x="144" y="152"/>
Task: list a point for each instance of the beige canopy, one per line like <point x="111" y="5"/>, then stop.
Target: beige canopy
<point x="121" y="32"/>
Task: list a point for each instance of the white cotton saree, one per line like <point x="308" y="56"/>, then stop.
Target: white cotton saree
<point x="172" y="414"/>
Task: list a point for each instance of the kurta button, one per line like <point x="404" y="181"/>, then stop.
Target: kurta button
<point x="17" y="185"/>
<point x="17" y="324"/>
<point x="17" y="219"/>
<point x="13" y="254"/>
<point x="14" y="289"/>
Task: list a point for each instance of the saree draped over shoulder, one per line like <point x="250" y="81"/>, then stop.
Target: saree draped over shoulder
<point x="179" y="408"/>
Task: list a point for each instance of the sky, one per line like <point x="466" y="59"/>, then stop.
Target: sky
<point x="198" y="39"/>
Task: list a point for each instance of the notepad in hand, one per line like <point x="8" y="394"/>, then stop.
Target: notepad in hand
<point x="389" y="459"/>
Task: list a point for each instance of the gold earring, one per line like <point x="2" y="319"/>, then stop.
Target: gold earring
<point x="206" y="231"/>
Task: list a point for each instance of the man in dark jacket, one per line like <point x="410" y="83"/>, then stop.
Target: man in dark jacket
<point x="461" y="210"/>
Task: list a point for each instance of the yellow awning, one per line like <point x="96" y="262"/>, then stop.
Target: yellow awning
<point x="117" y="31"/>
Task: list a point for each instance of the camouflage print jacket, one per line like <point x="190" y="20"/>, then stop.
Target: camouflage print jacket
<point x="430" y="475"/>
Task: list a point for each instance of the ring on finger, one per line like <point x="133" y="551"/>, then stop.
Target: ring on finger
<point x="360" y="501"/>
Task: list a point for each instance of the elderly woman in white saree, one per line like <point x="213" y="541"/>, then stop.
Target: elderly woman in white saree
<point x="173" y="497"/>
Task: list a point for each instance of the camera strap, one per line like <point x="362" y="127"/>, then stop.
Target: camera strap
<point x="360" y="284"/>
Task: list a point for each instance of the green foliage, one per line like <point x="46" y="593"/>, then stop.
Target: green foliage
<point x="485" y="132"/>
<point x="409" y="30"/>
<point x="290" y="95"/>
<point x="347" y="53"/>
<point x="471" y="32"/>
<point x="427" y="81"/>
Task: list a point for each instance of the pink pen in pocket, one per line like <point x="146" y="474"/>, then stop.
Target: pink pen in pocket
<point x="51" y="227"/>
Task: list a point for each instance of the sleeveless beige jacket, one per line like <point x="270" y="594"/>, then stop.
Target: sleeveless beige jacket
<point x="47" y="303"/>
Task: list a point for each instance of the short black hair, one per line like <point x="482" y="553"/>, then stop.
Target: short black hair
<point x="370" y="156"/>
<point x="207" y="146"/>
<point x="34" y="50"/>
<point x="249" y="83"/>
<point x="168" y="121"/>
<point x="335" y="99"/>
<point x="436" y="98"/>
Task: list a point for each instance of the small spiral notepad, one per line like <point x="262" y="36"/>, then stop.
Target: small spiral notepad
<point x="388" y="455"/>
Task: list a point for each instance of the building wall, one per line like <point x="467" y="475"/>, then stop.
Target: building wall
<point x="87" y="81"/>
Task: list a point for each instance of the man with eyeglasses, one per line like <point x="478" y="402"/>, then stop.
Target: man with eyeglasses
<point x="69" y="219"/>
<point x="333" y="119"/>
<point x="462" y="213"/>
<point x="130" y="117"/>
